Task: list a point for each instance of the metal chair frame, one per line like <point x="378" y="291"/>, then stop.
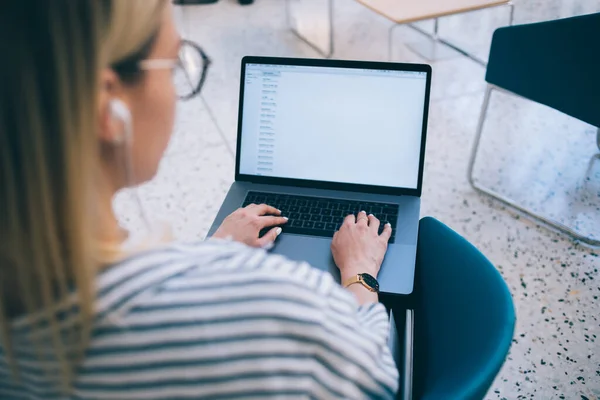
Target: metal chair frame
<point x="510" y="202"/>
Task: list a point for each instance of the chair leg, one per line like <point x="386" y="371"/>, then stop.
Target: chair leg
<point x="331" y="28"/>
<point x="595" y="158"/>
<point x="505" y="200"/>
<point x="480" y="123"/>
<point x="511" y="17"/>
<point x="436" y="29"/>
<point x="436" y="37"/>
<point x="391" y="41"/>
<point x="329" y="52"/>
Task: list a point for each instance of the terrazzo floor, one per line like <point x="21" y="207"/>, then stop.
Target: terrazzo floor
<point x="554" y="281"/>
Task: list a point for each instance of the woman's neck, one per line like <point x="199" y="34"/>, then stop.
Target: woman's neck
<point x="110" y="236"/>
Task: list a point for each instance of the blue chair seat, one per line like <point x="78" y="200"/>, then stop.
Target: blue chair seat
<point x="464" y="317"/>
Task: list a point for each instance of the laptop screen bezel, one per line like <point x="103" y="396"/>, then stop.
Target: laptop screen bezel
<point x="326" y="184"/>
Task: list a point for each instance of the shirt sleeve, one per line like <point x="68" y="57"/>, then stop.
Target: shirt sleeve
<point x="229" y="322"/>
<point x="359" y="336"/>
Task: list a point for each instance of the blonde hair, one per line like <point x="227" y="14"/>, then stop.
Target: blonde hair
<point x="50" y="160"/>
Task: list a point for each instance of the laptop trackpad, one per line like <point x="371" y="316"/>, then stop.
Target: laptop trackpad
<point x="314" y="250"/>
<point x="396" y="274"/>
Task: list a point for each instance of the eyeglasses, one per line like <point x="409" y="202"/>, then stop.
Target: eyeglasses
<point x="189" y="69"/>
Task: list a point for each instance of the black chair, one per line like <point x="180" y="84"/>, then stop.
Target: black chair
<point x="554" y="63"/>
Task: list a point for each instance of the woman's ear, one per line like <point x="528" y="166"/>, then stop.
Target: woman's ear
<point x="109" y="130"/>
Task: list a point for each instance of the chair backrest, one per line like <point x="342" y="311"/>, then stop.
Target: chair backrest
<point x="464" y="319"/>
<point x="556" y="63"/>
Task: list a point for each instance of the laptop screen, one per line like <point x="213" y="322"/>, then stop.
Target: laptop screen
<point x="331" y="124"/>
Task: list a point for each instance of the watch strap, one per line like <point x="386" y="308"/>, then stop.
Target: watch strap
<point x="358" y="279"/>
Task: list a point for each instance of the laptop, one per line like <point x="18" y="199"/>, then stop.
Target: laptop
<point x="320" y="139"/>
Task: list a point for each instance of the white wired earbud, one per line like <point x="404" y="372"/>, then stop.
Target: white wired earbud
<point x="120" y="111"/>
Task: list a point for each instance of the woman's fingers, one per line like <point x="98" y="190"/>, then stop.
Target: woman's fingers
<point x="263" y="209"/>
<point x="362" y="219"/>
<point x="350" y="219"/>
<point x="265" y="221"/>
<point x="374" y="223"/>
<point x="266" y="242"/>
<point x="387" y="232"/>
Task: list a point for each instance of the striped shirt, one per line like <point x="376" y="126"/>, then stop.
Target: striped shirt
<point x="220" y="320"/>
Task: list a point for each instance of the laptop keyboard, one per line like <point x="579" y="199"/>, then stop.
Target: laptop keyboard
<point x="321" y="216"/>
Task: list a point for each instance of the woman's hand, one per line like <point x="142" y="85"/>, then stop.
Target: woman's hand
<point x="357" y="247"/>
<point x="244" y="225"/>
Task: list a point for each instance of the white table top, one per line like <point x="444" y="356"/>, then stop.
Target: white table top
<point x="405" y="11"/>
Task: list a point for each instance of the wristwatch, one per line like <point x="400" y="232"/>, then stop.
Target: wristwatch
<point x="364" y="279"/>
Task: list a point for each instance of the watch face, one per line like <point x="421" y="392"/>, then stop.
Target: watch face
<point x="369" y="280"/>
